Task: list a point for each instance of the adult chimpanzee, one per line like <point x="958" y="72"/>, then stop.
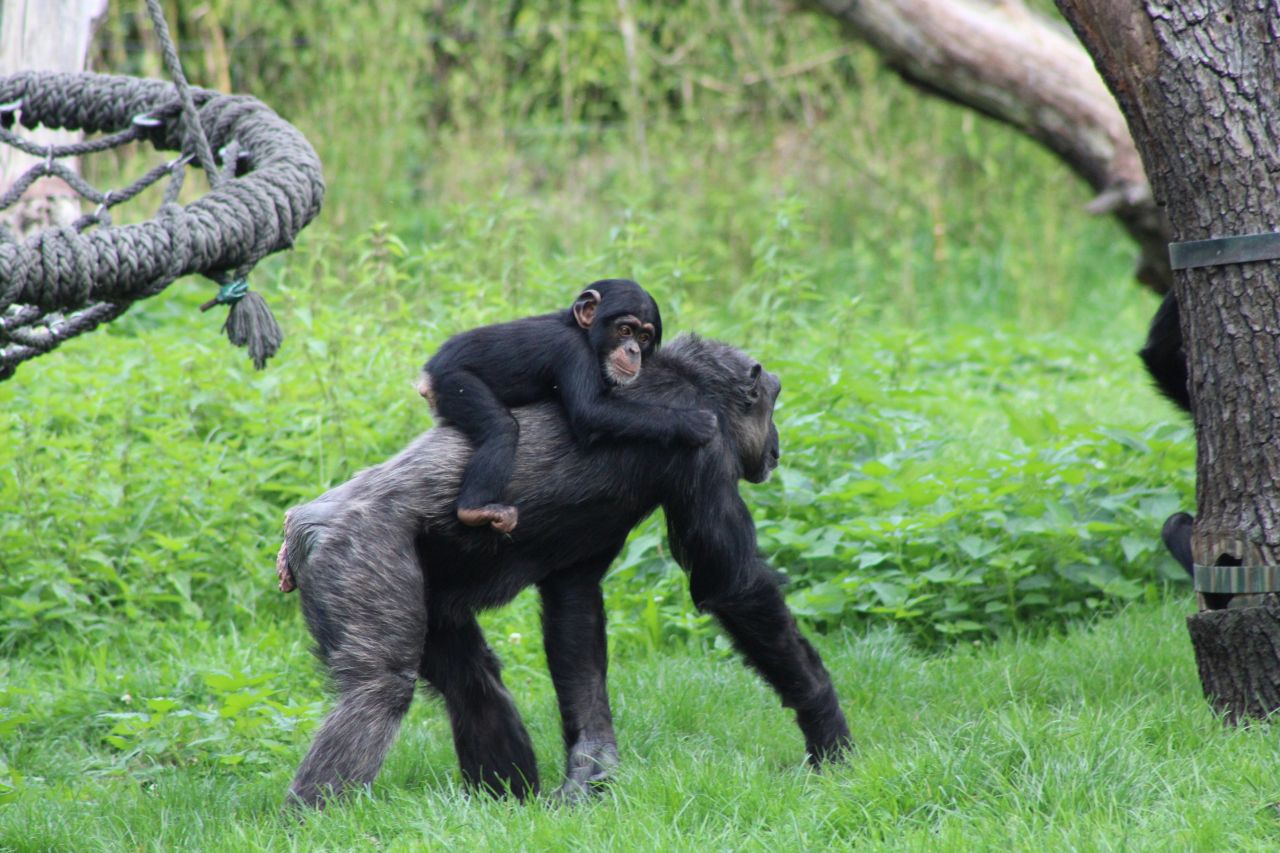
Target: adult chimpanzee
<point x="391" y="581"/>
<point x="1166" y="361"/>
<point x="576" y="355"/>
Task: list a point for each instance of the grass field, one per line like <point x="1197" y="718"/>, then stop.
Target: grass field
<point x="974" y="470"/>
<point x="1096" y="739"/>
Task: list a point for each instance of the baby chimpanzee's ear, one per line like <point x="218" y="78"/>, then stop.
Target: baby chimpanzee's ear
<point x="584" y="308"/>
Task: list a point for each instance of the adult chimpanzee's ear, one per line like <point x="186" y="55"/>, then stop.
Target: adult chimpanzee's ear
<point x="584" y="308"/>
<point x="753" y="386"/>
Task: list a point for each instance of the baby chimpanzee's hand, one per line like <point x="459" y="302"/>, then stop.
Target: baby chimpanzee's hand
<point x="700" y="426"/>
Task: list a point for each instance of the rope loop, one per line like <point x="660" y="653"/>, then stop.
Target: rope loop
<point x="266" y="187"/>
<point x="61" y="282"/>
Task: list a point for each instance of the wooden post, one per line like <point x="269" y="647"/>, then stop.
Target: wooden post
<point x="43" y="35"/>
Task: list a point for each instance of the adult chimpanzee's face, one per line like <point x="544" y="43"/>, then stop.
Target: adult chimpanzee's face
<point x="629" y="342"/>
<point x="756" y="433"/>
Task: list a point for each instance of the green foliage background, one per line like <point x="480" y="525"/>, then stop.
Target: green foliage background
<point x="970" y="447"/>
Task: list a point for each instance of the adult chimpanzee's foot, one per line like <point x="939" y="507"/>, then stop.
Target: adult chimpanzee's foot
<point x="826" y="734"/>
<point x="591" y="766"/>
<point x="501" y="517"/>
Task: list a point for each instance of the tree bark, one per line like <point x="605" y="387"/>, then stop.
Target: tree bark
<point x="1197" y="82"/>
<point x="1236" y="656"/>
<point x="1026" y="70"/>
<point x="43" y="35"/>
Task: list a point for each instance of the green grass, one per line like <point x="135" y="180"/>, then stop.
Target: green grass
<point x="1097" y="739"/>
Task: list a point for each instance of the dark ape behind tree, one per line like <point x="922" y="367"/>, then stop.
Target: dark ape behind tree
<point x="1197" y="83"/>
<point x="1165" y="356"/>
<point x="1166" y="360"/>
<point x="390" y="580"/>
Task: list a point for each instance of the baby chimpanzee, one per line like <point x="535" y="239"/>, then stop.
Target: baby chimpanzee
<point x="576" y="355"/>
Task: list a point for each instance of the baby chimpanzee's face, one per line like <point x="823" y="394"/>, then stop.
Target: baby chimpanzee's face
<point x="624" y="326"/>
<point x="629" y="342"/>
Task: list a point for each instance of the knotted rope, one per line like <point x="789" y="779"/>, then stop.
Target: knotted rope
<point x="61" y="282"/>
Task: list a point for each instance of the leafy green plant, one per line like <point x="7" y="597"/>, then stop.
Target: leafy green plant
<point x="242" y="720"/>
<point x="962" y="481"/>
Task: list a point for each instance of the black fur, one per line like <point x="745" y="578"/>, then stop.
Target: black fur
<point x="1166" y="361"/>
<point x="390" y="580"/>
<point x="477" y="376"/>
<point x="1176" y="535"/>
<point x="1164" y="355"/>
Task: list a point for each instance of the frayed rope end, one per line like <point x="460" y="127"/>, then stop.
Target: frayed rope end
<point x="250" y="323"/>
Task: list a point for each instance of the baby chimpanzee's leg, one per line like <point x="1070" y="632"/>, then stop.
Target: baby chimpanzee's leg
<point x="468" y="403"/>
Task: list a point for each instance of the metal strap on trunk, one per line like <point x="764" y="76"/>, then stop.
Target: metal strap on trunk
<point x="1240" y="249"/>
<point x="1237" y="579"/>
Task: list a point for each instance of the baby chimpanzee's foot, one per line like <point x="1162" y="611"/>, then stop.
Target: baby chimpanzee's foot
<point x="502" y="517"/>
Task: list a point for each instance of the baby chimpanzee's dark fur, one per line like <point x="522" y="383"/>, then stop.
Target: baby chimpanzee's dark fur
<point x="575" y="355"/>
<point x="390" y="580"/>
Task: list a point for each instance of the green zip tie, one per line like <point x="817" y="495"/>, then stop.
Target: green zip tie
<point x="229" y="293"/>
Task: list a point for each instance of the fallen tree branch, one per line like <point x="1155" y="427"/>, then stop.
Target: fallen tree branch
<point x="1026" y="70"/>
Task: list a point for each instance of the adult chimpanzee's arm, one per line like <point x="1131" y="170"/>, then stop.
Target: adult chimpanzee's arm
<point x="595" y="415"/>
<point x="577" y="655"/>
<point x="713" y="537"/>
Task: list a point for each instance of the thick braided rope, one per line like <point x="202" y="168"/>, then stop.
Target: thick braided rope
<point x="276" y="191"/>
<point x="192" y="129"/>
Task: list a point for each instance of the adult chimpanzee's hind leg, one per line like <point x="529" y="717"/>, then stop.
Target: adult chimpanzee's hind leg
<point x="470" y="405"/>
<point x="577" y="655"/>
<point x="493" y="746"/>
<point x="364" y="604"/>
<point x="353" y="741"/>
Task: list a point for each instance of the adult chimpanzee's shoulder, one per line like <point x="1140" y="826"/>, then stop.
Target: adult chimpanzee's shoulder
<point x="713" y="369"/>
<point x="704" y="360"/>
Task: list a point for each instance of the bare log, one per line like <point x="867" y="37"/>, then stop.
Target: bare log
<point x="1026" y="70"/>
<point x="1197" y="84"/>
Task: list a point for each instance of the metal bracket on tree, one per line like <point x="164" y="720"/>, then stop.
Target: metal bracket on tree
<point x="1238" y="249"/>
<point x="1237" y="580"/>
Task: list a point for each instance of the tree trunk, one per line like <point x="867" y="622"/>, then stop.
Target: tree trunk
<point x="1026" y="70"/>
<point x="1236" y="656"/>
<point x="43" y="35"/>
<point x="1197" y="82"/>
